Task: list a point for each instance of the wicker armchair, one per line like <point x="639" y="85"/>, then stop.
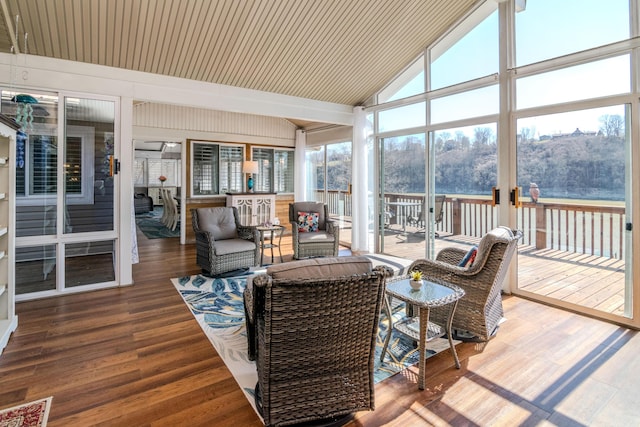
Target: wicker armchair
<point x="323" y="242"/>
<point x="313" y="325"/>
<point x="480" y="310"/>
<point x="222" y="243"/>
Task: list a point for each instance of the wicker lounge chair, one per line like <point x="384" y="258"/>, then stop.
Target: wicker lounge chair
<point x="480" y="310"/>
<point x="313" y="325"/>
<point x="222" y="243"/>
<point x="323" y="242"/>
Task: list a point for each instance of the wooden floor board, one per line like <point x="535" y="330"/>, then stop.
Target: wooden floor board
<point x="135" y="356"/>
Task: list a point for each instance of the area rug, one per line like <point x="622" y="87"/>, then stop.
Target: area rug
<point x="150" y="225"/>
<point x="32" y="414"/>
<point x="217" y="305"/>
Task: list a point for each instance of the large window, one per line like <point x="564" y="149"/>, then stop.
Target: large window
<point x="216" y="168"/>
<point x="275" y="170"/>
<point x="552" y="123"/>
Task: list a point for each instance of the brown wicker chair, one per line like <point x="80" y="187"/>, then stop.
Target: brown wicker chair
<point x="479" y="312"/>
<point x="222" y="243"/>
<point x="323" y="242"/>
<point x="313" y="325"/>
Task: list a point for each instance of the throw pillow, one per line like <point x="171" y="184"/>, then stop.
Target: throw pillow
<point x="470" y="256"/>
<point x="308" y="221"/>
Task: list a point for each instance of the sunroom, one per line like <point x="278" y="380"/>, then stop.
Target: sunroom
<point x="486" y="113"/>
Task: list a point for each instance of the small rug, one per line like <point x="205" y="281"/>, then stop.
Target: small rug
<point x="33" y="414"/>
<point x="150" y="225"/>
<point x="217" y="305"/>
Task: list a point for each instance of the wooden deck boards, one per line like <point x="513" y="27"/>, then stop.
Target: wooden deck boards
<point x="586" y="280"/>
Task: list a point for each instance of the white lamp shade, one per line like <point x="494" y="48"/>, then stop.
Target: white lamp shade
<point x="250" y="166"/>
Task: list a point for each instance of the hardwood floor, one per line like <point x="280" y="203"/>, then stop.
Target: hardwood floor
<point x="135" y="356"/>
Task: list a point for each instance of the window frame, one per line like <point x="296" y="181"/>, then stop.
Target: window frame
<point x="273" y="178"/>
<point x="192" y="177"/>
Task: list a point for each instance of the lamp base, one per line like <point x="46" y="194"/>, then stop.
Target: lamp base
<point x="250" y="185"/>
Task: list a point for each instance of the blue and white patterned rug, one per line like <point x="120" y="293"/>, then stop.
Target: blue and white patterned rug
<point x="217" y="305"/>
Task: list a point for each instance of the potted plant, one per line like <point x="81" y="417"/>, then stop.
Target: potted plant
<point x="416" y="279"/>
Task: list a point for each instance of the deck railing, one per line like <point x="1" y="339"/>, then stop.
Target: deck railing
<point x="593" y="229"/>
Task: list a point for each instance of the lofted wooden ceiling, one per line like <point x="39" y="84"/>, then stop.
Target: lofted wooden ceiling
<point x="340" y="51"/>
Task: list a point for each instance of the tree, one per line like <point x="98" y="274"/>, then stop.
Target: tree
<point x="527" y="134"/>
<point x="482" y="135"/>
<point x="612" y="125"/>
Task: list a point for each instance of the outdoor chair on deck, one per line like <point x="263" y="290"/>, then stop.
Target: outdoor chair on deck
<point x="313" y="233"/>
<point x="311" y="327"/>
<point x="222" y="243"/>
<point x="480" y="311"/>
<point x="438" y="209"/>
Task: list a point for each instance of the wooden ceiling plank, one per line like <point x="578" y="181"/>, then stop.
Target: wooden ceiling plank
<point x="273" y="16"/>
<point x="243" y="48"/>
<point x="189" y="30"/>
<point x="132" y="47"/>
<point x="224" y="42"/>
<point x="206" y="49"/>
<point x="146" y="16"/>
<point x="290" y="43"/>
<point x="175" y="42"/>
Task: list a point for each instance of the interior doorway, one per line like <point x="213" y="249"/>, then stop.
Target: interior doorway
<point x="158" y="188"/>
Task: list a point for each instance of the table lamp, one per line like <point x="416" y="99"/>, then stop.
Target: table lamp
<point x="250" y="167"/>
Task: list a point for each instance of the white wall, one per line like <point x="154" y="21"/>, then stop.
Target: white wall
<point x="214" y="125"/>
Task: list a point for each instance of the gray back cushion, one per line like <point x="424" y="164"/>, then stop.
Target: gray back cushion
<point x="218" y="221"/>
<point x="320" y="268"/>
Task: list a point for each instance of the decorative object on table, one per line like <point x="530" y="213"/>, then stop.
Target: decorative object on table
<point x="162" y="179"/>
<point x="275" y="221"/>
<point x="416" y="280"/>
<point x="250" y="167"/>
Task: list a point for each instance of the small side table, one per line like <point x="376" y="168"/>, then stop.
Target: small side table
<point x="270" y="238"/>
<point x="420" y="329"/>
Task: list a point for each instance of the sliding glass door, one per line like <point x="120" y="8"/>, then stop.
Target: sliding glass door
<point x="65" y="192"/>
<point x="574" y="172"/>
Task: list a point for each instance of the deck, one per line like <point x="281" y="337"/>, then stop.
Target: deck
<point x="586" y="280"/>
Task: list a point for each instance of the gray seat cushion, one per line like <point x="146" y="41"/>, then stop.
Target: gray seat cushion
<point x="231" y="246"/>
<point x="316" y="236"/>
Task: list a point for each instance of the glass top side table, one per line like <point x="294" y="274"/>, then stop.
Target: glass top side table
<point x="419" y="328"/>
<point x="270" y="238"/>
